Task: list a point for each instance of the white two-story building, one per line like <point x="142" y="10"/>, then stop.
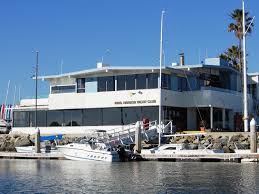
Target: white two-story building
<point x="106" y="97"/>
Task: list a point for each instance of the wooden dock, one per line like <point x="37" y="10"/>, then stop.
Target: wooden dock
<point x="219" y="157"/>
<point x="16" y="155"/>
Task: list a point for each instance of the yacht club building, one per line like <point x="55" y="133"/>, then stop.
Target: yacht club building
<point x="106" y="97"/>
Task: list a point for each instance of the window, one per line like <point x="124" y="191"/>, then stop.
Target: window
<point x="80" y="85"/>
<point x="106" y="84"/>
<point x="131" y="115"/>
<point x="101" y="85"/>
<point x="92" y="117"/>
<point x="21" y="119"/>
<point x="73" y="117"/>
<point x="91" y="85"/>
<point x="110" y="83"/>
<point x="166" y="81"/>
<point x="121" y="82"/>
<point x="41" y="118"/>
<point x="62" y="89"/>
<point x="54" y="118"/>
<point x="152" y="80"/>
<point x="150" y="112"/>
<point x="130" y="82"/>
<point x="141" y="81"/>
<point x="112" y="116"/>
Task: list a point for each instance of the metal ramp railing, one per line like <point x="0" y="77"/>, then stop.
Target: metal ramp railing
<point x="126" y="134"/>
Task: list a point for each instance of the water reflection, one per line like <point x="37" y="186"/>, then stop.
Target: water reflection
<point x="55" y="176"/>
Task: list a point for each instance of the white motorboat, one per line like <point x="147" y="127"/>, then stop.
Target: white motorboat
<point x="90" y="150"/>
<point x="169" y="149"/>
<point x="3" y="126"/>
<point x="31" y="149"/>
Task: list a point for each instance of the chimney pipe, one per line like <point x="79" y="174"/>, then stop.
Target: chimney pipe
<point x="181" y="59"/>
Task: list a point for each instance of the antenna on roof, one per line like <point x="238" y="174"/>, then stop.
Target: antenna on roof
<point x="105" y="53"/>
<point x="61" y="66"/>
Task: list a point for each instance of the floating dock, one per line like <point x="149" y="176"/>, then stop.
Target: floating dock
<point x="220" y="157"/>
<point x="16" y="155"/>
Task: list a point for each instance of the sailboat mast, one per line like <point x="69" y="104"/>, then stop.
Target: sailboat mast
<point x="160" y="77"/>
<point x="245" y="72"/>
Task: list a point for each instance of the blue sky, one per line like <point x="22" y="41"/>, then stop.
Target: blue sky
<point x="80" y="31"/>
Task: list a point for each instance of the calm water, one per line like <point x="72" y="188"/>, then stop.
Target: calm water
<point x="64" y="176"/>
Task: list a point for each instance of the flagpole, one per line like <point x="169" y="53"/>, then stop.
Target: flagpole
<point x="160" y="77"/>
<point x="245" y="72"/>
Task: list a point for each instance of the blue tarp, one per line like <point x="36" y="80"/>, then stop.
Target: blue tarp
<point x="50" y="137"/>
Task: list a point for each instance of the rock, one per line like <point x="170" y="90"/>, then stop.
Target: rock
<point x="228" y="150"/>
<point x="217" y="146"/>
<point x="236" y="138"/>
<point x="224" y="140"/>
<point x="22" y="141"/>
<point x="183" y="141"/>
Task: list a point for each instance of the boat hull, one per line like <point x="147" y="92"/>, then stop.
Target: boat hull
<point x="81" y="153"/>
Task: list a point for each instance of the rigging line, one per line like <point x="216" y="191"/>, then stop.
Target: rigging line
<point x="189" y="85"/>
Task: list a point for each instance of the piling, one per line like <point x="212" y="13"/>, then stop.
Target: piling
<point x="37" y="141"/>
<point x="138" y="137"/>
<point x="253" y="136"/>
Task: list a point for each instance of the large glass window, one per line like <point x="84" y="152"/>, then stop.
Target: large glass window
<point x="41" y="118"/>
<point x="166" y="81"/>
<point x="73" y="117"/>
<point x="110" y="83"/>
<point x="80" y="85"/>
<point x="121" y="80"/>
<point x="54" y="118"/>
<point x="112" y="116"/>
<point x="92" y="117"/>
<point x="63" y="89"/>
<point x="131" y="115"/>
<point x="130" y="82"/>
<point x="101" y="85"/>
<point x="152" y="80"/>
<point x="21" y="119"/>
<point x="106" y="84"/>
<point x="150" y="112"/>
<point x="141" y="80"/>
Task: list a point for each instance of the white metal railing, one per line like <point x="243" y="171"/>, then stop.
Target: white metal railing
<point x="128" y="131"/>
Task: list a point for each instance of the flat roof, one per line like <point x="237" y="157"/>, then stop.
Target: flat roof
<point x="114" y="69"/>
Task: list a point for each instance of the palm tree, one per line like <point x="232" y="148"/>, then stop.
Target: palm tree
<point x="232" y="56"/>
<point x="237" y="28"/>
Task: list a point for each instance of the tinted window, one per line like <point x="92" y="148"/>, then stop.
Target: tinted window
<point x="101" y="85"/>
<point x="130" y="82"/>
<point x="73" y="117"/>
<point x="166" y="81"/>
<point x="150" y="112"/>
<point x="112" y="116"/>
<point x="54" y="118"/>
<point x="41" y="118"/>
<point x="141" y="81"/>
<point x="21" y="119"/>
<point x="92" y="117"/>
<point x="62" y="89"/>
<point x="80" y="85"/>
<point x="110" y="84"/>
<point x="121" y="79"/>
<point x="131" y="115"/>
<point x="152" y="80"/>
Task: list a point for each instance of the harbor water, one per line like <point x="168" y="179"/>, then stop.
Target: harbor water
<point x="64" y="176"/>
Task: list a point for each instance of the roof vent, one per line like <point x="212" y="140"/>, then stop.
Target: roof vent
<point x="181" y="59"/>
<point x="101" y="65"/>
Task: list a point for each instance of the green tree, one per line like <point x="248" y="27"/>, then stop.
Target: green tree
<point x="237" y="27"/>
<point x="232" y="56"/>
